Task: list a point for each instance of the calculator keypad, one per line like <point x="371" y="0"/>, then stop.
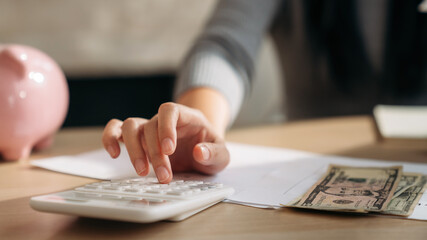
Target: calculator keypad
<point x="139" y="188"/>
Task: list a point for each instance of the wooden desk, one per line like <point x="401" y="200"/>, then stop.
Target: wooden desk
<point x="345" y="136"/>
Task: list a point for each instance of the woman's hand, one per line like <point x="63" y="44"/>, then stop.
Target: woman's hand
<point x="177" y="139"/>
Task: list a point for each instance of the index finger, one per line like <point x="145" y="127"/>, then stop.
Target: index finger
<point x="167" y="120"/>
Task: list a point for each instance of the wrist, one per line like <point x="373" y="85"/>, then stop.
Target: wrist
<point x="211" y="103"/>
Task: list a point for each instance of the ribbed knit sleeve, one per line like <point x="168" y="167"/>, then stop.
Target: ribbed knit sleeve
<point x="224" y="55"/>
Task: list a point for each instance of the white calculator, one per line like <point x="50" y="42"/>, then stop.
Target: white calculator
<point x="136" y="200"/>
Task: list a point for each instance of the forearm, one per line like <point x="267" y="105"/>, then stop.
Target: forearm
<point x="209" y="83"/>
<point x="211" y="103"/>
<point x="216" y="75"/>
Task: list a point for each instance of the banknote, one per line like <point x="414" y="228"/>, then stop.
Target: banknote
<point x="404" y="203"/>
<point x="406" y="181"/>
<point x="346" y="188"/>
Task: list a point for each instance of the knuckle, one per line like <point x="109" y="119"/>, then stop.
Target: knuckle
<point x="152" y="123"/>
<point x="167" y="106"/>
<point x="114" y="120"/>
<point x="112" y="123"/>
<point x="130" y="122"/>
<point x="154" y="118"/>
<point x="108" y="132"/>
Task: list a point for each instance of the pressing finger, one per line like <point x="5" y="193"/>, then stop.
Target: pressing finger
<point x="160" y="161"/>
<point x="167" y="120"/>
<point x="131" y="131"/>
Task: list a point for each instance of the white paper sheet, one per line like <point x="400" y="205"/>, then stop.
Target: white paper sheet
<point x="262" y="176"/>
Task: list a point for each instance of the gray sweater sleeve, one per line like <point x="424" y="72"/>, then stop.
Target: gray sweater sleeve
<point x="224" y="55"/>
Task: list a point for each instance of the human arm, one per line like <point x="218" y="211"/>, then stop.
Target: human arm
<point x="224" y="55"/>
<point x="189" y="134"/>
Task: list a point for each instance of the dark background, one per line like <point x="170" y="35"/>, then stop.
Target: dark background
<point x="94" y="101"/>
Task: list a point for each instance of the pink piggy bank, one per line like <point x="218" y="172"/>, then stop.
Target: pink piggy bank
<point x="33" y="100"/>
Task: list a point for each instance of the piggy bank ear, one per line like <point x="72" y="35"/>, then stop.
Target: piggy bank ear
<point x="12" y="60"/>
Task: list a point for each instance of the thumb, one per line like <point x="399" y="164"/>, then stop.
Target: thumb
<point x="210" y="158"/>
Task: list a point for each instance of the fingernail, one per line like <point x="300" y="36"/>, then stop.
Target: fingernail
<point x="111" y="151"/>
<point x="162" y="173"/>
<point x="167" y="146"/>
<point x="140" y="166"/>
<point x="205" y="152"/>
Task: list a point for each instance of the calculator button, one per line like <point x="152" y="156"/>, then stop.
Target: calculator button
<point x="147" y="180"/>
<point x="131" y="198"/>
<point x="133" y="190"/>
<point x="207" y="186"/>
<point x="196" y="190"/>
<point x="114" y="188"/>
<point x="179" y="192"/>
<point x="193" y="183"/>
<point x="158" y="191"/>
<point x="155" y="200"/>
<point x="85" y="189"/>
<point x="108" y="196"/>
<point x="93" y="184"/>
<point x="145" y="188"/>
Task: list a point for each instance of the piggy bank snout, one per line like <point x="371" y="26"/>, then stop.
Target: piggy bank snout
<point x="34" y="100"/>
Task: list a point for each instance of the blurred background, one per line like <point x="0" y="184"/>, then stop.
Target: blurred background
<point x="121" y="57"/>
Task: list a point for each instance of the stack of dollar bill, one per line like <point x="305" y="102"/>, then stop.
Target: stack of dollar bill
<point x="385" y="190"/>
